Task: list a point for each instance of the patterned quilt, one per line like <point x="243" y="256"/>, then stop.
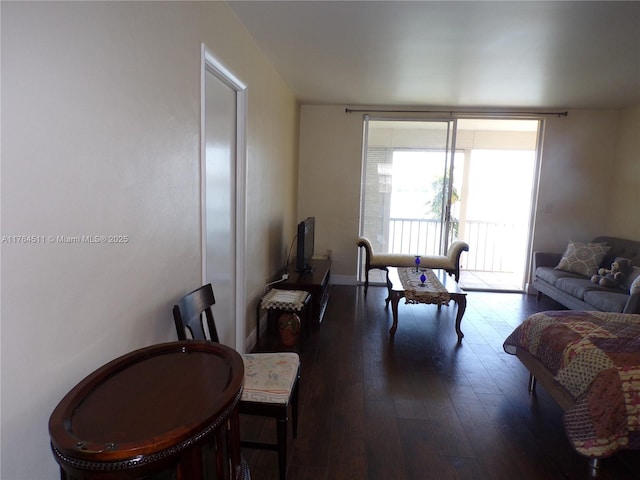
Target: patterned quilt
<point x="595" y="356"/>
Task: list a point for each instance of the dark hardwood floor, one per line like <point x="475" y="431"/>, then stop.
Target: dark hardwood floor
<point x="419" y="406"/>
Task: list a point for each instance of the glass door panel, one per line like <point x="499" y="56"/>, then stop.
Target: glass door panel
<point x="500" y="161"/>
<point x="406" y="170"/>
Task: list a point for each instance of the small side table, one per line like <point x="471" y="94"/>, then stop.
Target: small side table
<point x="283" y="301"/>
<point x="163" y="410"/>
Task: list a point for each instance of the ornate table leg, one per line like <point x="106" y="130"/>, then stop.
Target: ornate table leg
<point x="389" y="287"/>
<point x="395" y="299"/>
<point x="461" y="301"/>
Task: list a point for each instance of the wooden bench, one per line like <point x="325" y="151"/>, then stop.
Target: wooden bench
<point x="449" y="262"/>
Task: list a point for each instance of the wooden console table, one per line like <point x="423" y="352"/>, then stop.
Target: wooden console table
<point x="317" y="283"/>
<point x="429" y="294"/>
<point x="167" y="411"/>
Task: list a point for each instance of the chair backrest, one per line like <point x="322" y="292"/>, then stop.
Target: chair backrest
<point x="188" y="315"/>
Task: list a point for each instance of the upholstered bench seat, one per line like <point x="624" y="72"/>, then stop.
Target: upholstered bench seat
<point x="288" y="300"/>
<point x="449" y="262"/>
<point x="383" y="260"/>
<point x="269" y="377"/>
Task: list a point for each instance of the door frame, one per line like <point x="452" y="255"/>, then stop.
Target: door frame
<point x="211" y="64"/>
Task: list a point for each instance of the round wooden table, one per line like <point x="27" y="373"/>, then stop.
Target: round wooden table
<point x="167" y="410"/>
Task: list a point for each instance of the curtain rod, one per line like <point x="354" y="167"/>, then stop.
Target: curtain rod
<point x="452" y="112"/>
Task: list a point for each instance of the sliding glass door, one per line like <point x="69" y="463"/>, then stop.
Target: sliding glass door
<point x="500" y="158"/>
<point x="406" y="194"/>
<point x="429" y="182"/>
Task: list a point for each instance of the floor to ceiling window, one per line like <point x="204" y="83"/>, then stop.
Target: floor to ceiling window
<point x="419" y="196"/>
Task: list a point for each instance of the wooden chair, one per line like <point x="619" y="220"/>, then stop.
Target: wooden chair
<point x="270" y="379"/>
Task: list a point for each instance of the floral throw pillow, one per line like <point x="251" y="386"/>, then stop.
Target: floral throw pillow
<point x="583" y="258"/>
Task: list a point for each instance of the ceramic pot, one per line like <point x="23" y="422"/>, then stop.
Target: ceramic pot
<point x="289" y="328"/>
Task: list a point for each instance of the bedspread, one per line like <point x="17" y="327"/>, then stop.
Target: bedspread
<point x="595" y="357"/>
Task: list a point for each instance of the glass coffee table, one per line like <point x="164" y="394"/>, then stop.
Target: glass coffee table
<point x="424" y="286"/>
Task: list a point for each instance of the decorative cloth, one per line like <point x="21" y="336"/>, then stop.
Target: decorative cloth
<point x="431" y="291"/>
<point x="284" y="300"/>
<point x="269" y="377"/>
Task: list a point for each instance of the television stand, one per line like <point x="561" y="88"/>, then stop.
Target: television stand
<point x="316" y="282"/>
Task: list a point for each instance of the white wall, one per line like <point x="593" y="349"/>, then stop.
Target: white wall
<point x="100" y="136"/>
<point x="329" y="183"/>
<point x="624" y="202"/>
<point x="577" y="168"/>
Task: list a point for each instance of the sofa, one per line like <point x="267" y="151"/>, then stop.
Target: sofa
<point x="449" y="262"/>
<point x="566" y="277"/>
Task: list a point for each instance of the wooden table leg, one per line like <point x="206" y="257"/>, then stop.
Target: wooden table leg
<point x="190" y="466"/>
<point x="461" y="301"/>
<point x="395" y="299"/>
<point x="234" y="441"/>
<point x="389" y="287"/>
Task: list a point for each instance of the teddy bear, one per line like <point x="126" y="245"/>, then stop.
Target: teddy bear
<point x="615" y="276"/>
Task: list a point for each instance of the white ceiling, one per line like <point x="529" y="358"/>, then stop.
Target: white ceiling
<point x="534" y="54"/>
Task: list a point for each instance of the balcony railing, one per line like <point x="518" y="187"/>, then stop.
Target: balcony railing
<point x="494" y="246"/>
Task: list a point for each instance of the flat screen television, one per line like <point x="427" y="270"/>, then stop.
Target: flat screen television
<point x="306" y="234"/>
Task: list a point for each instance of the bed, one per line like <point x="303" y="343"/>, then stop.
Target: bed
<point x="589" y="362"/>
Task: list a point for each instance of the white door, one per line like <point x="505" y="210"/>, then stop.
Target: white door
<point x="222" y="199"/>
